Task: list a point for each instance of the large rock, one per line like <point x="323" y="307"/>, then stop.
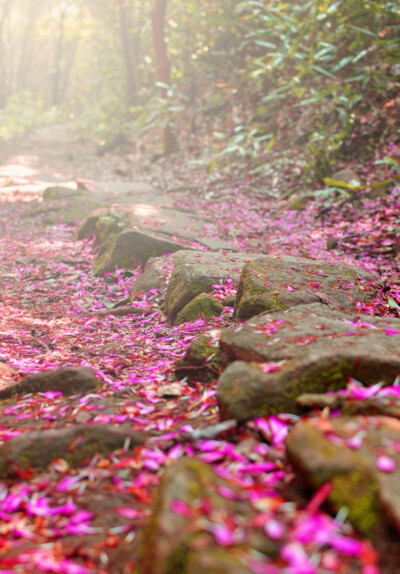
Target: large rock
<point x="308" y="349"/>
<point x="278" y="283"/>
<point x="75" y="444"/>
<point x="142" y="230"/>
<point x="360" y="459"/>
<point x="175" y="540"/>
<point x="285" y="335"/>
<point x="195" y="272"/>
<point x="68" y="380"/>
<point x="245" y="391"/>
<point x="131" y="248"/>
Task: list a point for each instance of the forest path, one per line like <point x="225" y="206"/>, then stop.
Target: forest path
<point x="60" y="517"/>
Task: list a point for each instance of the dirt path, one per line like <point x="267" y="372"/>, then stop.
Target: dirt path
<point x="89" y="518"/>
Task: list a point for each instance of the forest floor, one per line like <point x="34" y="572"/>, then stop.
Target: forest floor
<point x="89" y="519"/>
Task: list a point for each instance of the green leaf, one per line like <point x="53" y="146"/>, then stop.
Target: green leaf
<point x="336" y="183"/>
<point x="360" y="55"/>
<point x="107" y="304"/>
<point x="393" y="304"/>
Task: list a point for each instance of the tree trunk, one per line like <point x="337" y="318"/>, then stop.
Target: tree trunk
<point x="131" y="69"/>
<point x="5" y="6"/>
<point x="58" y="61"/>
<point x="25" y="60"/>
<point x="163" y="71"/>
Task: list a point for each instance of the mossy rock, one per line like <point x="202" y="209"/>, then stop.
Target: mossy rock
<point x="277" y="336"/>
<point x="245" y="392"/>
<point x="183" y="287"/>
<point x="204" y="305"/>
<point x="195" y="272"/>
<point x="131" y="248"/>
<point x="370" y="495"/>
<point x="77" y="444"/>
<point x="272" y="283"/>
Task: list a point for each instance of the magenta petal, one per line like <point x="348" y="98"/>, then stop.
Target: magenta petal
<point x="385" y="464"/>
<point x="67" y="482"/>
<point x="128" y="512"/>
<point x="346" y="545"/>
<point x="180" y="508"/>
<point x="222" y="534"/>
<point x="274" y="529"/>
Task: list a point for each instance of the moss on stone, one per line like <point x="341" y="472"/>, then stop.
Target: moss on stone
<point x="102" y="262"/>
<point x="318" y="377"/>
<point x="203" y="305"/>
<point x="357" y="491"/>
<point x="182" y="288"/>
<point x="253" y="297"/>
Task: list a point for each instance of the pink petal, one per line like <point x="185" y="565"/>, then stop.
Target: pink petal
<point x="67" y="482"/>
<point x="346" y="545"/>
<point x="385" y="464"/>
<point x="222" y="534"/>
<point x="128" y="512"/>
<point x="274" y="529"/>
<point x="180" y="508"/>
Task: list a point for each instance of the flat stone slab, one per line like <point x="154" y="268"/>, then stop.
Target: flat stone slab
<point x="280" y="282"/>
<point x="195" y="272"/>
<point x="359" y="460"/>
<point x="74" y="444"/>
<point x="285" y="335"/>
<point x="306" y="329"/>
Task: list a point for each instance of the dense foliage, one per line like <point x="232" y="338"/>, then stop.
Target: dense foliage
<point x="250" y="73"/>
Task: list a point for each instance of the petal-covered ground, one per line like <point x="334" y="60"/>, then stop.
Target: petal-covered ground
<point x="87" y="520"/>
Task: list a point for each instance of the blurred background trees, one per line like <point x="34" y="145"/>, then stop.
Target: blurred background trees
<point x="239" y="76"/>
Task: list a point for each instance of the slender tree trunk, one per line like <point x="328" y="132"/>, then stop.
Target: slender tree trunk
<point x="70" y="59"/>
<point x="25" y="59"/>
<point x="163" y="71"/>
<point x="58" y="62"/>
<point x="131" y="69"/>
<point x="5" y="6"/>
